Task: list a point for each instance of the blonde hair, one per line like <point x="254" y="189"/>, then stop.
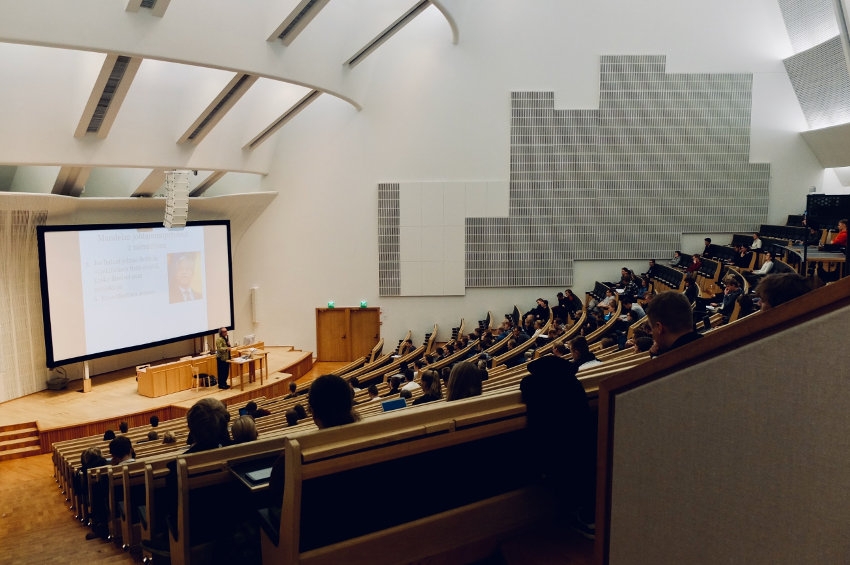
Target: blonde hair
<point x="243" y="429"/>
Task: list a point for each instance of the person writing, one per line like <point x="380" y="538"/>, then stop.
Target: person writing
<point x="222" y="355"/>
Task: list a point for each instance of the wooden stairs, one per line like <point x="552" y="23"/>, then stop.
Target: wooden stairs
<point x="19" y="440"/>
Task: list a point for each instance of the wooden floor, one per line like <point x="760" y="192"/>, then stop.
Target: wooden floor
<point x="36" y="526"/>
<point x="114" y="395"/>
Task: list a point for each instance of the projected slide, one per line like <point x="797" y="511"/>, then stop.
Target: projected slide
<point x="118" y="288"/>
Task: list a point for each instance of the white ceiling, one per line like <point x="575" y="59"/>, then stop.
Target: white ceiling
<point x="52" y="53"/>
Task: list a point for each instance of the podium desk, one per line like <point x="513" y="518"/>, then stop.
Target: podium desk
<point x="239" y="365"/>
<point x="168" y="378"/>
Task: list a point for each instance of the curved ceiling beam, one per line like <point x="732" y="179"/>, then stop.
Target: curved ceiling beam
<point x="449" y="18"/>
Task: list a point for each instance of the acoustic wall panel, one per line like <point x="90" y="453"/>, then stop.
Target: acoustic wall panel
<point x="809" y="22"/>
<point x="425" y="228"/>
<point x="664" y="154"/>
<point x="389" y="283"/>
<point x="822" y="83"/>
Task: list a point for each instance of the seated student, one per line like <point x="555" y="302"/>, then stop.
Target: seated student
<point x="813" y="236"/>
<point x="465" y="381"/>
<point x="777" y="289"/>
<point x="517" y="359"/>
<point x="251" y="409"/>
<point x="629" y="282"/>
<point x="539" y="312"/>
<point x="122" y="453"/>
<point x="754" y="276"/>
<point x="625" y="278"/>
<point x="608" y="304"/>
<point x="581" y="355"/>
<point x="651" y="270"/>
<point x="732" y="289"/>
<point x="671" y="322"/>
<point x="207" y="421"/>
<point x="743" y="258"/>
<point x="373" y="393"/>
<point x="696" y="263"/>
<point x="528" y="325"/>
<point x="395" y="384"/>
<point x="243" y="429"/>
<point x="677" y="259"/>
<point x="757" y="242"/>
<point x="121" y="450"/>
<point x="332" y="403"/>
<point x="642" y="343"/>
<point x="504" y="329"/>
<point x="747" y="306"/>
<point x="840" y="239"/>
<point x="642" y="286"/>
<point x="291" y="417"/>
<point x="404" y="348"/>
<point x="410" y="384"/>
<point x="90" y="458"/>
<point x="629" y="303"/>
<point x="559" y="414"/>
<point x="431" y="386"/>
<point x="486" y="340"/>
<point x="691" y="291"/>
<point x="292" y="388"/>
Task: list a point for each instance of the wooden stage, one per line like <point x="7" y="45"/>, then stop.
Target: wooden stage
<point x="71" y="413"/>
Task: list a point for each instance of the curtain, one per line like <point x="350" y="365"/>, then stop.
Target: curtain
<point x="22" y="353"/>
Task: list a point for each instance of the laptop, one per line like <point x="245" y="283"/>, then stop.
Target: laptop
<point x="393" y="404"/>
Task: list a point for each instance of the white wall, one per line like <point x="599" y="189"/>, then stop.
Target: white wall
<point x="431" y="111"/>
<point x="436" y="111"/>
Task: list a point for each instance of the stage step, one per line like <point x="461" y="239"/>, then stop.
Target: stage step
<point x="19" y="440"/>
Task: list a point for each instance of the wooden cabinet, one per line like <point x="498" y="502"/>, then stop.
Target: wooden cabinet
<point x="344" y="334"/>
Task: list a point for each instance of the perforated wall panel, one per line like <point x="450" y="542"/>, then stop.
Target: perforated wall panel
<point x="388" y="240"/>
<point x="665" y="154"/>
<point x="809" y="22"/>
<point x="822" y="83"/>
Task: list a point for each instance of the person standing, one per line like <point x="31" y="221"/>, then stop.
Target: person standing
<point x="222" y="355"/>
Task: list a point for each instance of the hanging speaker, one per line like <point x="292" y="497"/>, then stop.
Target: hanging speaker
<point x="255" y="291"/>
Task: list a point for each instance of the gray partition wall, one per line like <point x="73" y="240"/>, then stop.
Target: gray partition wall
<point x="739" y="459"/>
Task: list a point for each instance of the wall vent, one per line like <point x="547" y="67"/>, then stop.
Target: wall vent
<point x="222" y="103"/>
<point x="297" y="20"/>
<point x="278" y="123"/>
<point x="107" y="95"/>
<point x="408" y="16"/>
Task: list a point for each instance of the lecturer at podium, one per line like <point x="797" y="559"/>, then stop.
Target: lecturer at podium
<point x="181" y="277"/>
<point x="222" y="355"/>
